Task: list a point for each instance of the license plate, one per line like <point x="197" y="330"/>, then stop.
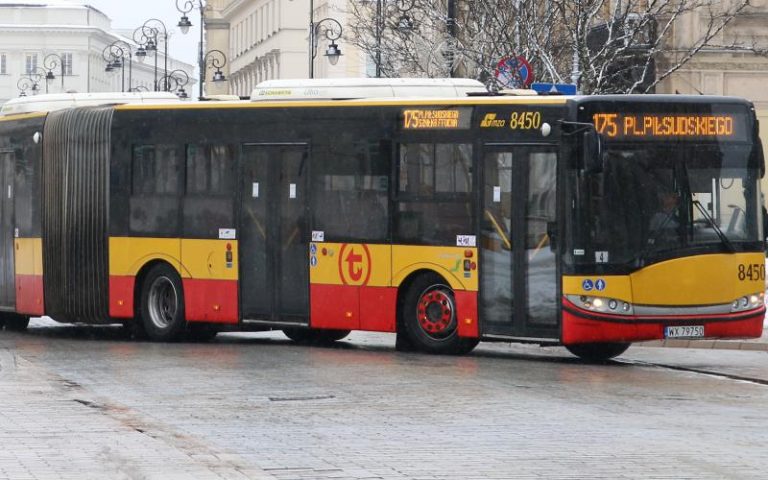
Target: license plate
<point x="687" y="331"/>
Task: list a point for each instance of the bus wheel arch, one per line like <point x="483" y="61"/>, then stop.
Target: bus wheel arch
<point x="160" y="302"/>
<point x="427" y="320"/>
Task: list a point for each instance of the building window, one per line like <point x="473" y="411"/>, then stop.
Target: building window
<point x="66" y="63"/>
<point x="31" y="63"/>
<point x="3" y="64"/>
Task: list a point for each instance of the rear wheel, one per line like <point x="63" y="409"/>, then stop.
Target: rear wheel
<point x="428" y="317"/>
<point x="320" y="336"/>
<point x="15" y="322"/>
<point x="598" y="352"/>
<point x="162" y="304"/>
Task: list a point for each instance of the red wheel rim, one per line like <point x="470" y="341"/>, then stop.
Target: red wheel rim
<point x="436" y="313"/>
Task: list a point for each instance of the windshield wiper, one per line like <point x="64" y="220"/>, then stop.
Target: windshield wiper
<point x="723" y="237"/>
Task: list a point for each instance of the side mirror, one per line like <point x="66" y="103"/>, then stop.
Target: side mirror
<point x="591" y="151"/>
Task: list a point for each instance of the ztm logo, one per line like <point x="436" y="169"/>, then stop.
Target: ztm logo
<point x="354" y="264"/>
<point x="490" y="121"/>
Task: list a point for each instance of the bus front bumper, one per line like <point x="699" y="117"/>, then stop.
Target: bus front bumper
<point x="579" y="326"/>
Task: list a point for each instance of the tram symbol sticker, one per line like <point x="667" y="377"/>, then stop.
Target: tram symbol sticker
<point x="600" y="285"/>
<point x="354" y="264"/>
<point x="587" y="285"/>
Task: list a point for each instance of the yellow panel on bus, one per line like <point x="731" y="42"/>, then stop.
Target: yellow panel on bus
<point x="458" y="265"/>
<point x="699" y="280"/>
<point x="28" y="258"/>
<point x="128" y="254"/>
<point x="352" y="264"/>
<point x="210" y="259"/>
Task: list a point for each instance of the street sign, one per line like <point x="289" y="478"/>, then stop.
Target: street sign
<point x="561" y="88"/>
<point x="514" y="72"/>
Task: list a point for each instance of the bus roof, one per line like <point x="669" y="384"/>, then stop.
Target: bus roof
<point x="58" y="101"/>
<point x="353" y="88"/>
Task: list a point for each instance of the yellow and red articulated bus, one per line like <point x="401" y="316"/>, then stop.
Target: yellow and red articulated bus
<point x="590" y="222"/>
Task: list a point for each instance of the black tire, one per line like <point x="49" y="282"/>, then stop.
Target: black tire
<point x="162" y="304"/>
<point x="428" y="318"/>
<point x="15" y="322"/>
<point x="315" y="336"/>
<point x="201" y="332"/>
<point x="598" y="352"/>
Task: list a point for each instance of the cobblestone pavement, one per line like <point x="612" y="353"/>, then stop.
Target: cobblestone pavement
<point x="85" y="403"/>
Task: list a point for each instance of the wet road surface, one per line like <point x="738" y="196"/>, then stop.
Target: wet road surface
<point x="87" y="403"/>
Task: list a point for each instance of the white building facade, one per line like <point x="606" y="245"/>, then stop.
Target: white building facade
<point x="269" y="39"/>
<point x="71" y="38"/>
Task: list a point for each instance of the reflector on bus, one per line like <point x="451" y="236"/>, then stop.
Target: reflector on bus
<point x="351" y="88"/>
<point x="58" y="101"/>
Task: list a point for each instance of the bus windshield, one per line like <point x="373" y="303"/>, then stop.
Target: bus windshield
<point x="658" y="201"/>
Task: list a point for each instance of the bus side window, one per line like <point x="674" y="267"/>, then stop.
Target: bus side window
<point x="349" y="190"/>
<point x="208" y="200"/>
<point x="155" y="187"/>
<point x="434" y="193"/>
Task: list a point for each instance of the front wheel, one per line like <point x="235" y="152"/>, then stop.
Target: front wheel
<point x="428" y="317"/>
<point x="162" y="304"/>
<point x="317" y="336"/>
<point x="598" y="352"/>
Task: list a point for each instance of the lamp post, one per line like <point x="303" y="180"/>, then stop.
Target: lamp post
<point x="404" y="23"/>
<point x="148" y="38"/>
<point x="215" y="59"/>
<point x="50" y="62"/>
<point x="30" y="81"/>
<point x="185" y="7"/>
<point x="116" y="54"/>
<point x="333" y="52"/>
<point x="332" y="33"/>
<point x="175" y="81"/>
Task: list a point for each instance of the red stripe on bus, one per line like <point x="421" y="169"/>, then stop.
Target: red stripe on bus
<point x="466" y="313"/>
<point x="211" y="300"/>
<point x="582" y="330"/>
<point x="347" y="307"/>
<point x="121" y="296"/>
<point x="378" y="309"/>
<point x="29" y="294"/>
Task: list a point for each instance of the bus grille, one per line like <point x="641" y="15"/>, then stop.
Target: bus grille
<point x="75" y="205"/>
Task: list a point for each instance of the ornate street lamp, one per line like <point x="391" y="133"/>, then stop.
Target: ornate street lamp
<point x="116" y="54"/>
<point x="50" y="62"/>
<point x="175" y="81"/>
<point x="404" y="23"/>
<point x="148" y="37"/>
<point x="184" y="7"/>
<point x="333" y="52"/>
<point x="332" y="33"/>
<point x="215" y="59"/>
<point x="30" y="81"/>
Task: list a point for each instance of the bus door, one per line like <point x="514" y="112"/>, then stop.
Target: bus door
<point x="518" y="276"/>
<point x="7" y="175"/>
<point x="274" y="276"/>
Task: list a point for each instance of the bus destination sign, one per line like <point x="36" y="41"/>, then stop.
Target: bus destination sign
<point x="653" y="126"/>
<point x="436" y="119"/>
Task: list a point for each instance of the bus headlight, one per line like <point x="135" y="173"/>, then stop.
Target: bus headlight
<point x="601" y="304"/>
<point x="748" y="302"/>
